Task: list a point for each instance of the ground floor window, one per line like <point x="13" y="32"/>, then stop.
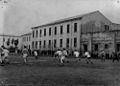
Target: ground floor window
<point x="118" y="47"/>
<point x="106" y="46"/>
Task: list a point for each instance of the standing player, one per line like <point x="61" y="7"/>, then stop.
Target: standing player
<point x="76" y="53"/>
<point x="1" y="50"/>
<point x="88" y="57"/>
<point x="5" y="56"/>
<point x="25" y="54"/>
<point x="36" y="54"/>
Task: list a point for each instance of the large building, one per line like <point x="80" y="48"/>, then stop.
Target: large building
<point x="92" y="31"/>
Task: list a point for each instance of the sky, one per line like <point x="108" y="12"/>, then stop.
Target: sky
<point x="19" y="16"/>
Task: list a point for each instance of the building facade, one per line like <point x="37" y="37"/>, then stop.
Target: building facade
<point x="92" y="32"/>
<point x="9" y="40"/>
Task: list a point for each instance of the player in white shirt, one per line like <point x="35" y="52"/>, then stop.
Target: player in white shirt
<point x="88" y="57"/>
<point x="25" y="54"/>
<point x="5" y="56"/>
<point x="1" y="50"/>
<point x="36" y="55"/>
<point x="76" y="54"/>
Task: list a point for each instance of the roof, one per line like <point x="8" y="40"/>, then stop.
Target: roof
<point x="9" y="35"/>
<point x="26" y="34"/>
<point x="66" y="19"/>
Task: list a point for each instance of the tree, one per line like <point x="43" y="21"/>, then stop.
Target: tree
<point x="16" y="42"/>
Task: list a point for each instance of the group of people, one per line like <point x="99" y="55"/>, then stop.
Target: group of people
<point x="62" y="54"/>
<point x="25" y="54"/>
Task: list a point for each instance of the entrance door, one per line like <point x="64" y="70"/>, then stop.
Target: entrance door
<point x="85" y="47"/>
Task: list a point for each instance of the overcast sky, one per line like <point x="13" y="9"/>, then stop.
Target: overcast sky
<point x="21" y="15"/>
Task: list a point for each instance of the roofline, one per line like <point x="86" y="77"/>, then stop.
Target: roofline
<point x="65" y="20"/>
<point x="9" y="35"/>
<point x="26" y="34"/>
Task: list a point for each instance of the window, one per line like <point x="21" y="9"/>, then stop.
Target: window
<point x="68" y="28"/>
<point x="49" y="31"/>
<point x="40" y="44"/>
<point x="61" y="29"/>
<point x="55" y="31"/>
<point x="44" y="44"/>
<point x="106" y="27"/>
<point x="106" y="46"/>
<point x="40" y="33"/>
<point x="44" y="32"/>
<point x="67" y="42"/>
<point x="33" y="34"/>
<point x="36" y="33"/>
<point x="75" y="27"/>
<point x="29" y="38"/>
<point x="33" y="44"/>
<point x="36" y="44"/>
<point x="49" y="45"/>
<point x="55" y="42"/>
<point x="61" y="41"/>
<point x="75" y="42"/>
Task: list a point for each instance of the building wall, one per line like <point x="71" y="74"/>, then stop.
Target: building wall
<point x="92" y="29"/>
<point x="71" y="35"/>
<point x="4" y="39"/>
<point x="26" y="40"/>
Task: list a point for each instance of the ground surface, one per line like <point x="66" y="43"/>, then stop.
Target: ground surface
<point x="48" y="72"/>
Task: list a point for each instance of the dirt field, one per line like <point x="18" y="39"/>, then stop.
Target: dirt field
<point x="48" y="72"/>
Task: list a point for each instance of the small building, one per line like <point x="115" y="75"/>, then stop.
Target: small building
<point x="26" y="40"/>
<point x="9" y="40"/>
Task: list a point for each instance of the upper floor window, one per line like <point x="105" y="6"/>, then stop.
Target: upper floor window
<point x="68" y="28"/>
<point x="55" y="31"/>
<point x="61" y="29"/>
<point x="49" y="31"/>
<point x="33" y="33"/>
<point x="106" y="27"/>
<point x="75" y="27"/>
<point x="40" y="32"/>
<point x="36" y="33"/>
<point x="44" y="32"/>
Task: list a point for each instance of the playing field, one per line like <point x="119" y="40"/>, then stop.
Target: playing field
<point x="48" y="72"/>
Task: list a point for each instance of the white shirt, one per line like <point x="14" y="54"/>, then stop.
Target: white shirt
<point x="64" y="52"/>
<point x="59" y="52"/>
<point x="35" y="53"/>
<point x="87" y="54"/>
<point x="76" y="53"/>
<point x="5" y="51"/>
